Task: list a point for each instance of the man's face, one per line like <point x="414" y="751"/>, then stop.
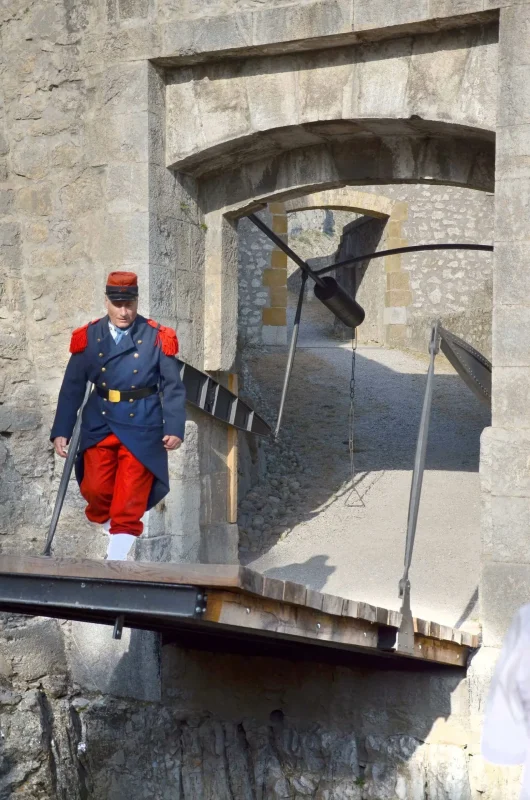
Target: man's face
<point x="122" y="313"/>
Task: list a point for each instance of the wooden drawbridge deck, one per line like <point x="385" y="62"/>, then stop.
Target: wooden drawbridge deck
<point x="223" y="600"/>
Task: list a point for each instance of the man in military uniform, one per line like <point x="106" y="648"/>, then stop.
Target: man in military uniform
<point x="134" y="415"/>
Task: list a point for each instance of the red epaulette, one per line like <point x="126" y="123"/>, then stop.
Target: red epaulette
<point x="79" y="340"/>
<point x="166" y="338"/>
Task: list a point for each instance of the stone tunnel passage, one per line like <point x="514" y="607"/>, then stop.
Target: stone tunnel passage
<point x="304" y="523"/>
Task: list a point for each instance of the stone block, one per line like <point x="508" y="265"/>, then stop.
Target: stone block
<point x="124" y="88"/>
<point x="514" y="46"/>
<point x="510" y="462"/>
<point x="395" y="315"/>
<point x="278" y="296"/>
<point x="515" y="92"/>
<point x="127" y="137"/>
<point x="31" y="158"/>
<point x="510" y="329"/>
<point x="9" y="234"/>
<point x="182" y="508"/>
<point x="511" y="389"/>
<point x="219" y="543"/>
<point x="393" y="263"/>
<point x="398" y="297"/>
<point x="214" y="498"/>
<point x="184" y="132"/>
<point x="278" y="259"/>
<point x="513" y="152"/>
<point x="133" y="9"/>
<point x="279" y="223"/>
<point x="82" y="195"/>
<point x="316" y="101"/>
<point x="6" y="201"/>
<point x="274" y="277"/>
<point x="184" y="462"/>
<point x="274" y="335"/>
<point x="276" y="208"/>
<point x="127" y="188"/>
<point x="272" y="97"/>
<point x="127" y="667"/>
<point x="511" y="275"/>
<point x="370" y="14"/>
<point x="398" y="281"/>
<point x="510" y="530"/>
<point x="396" y="334"/>
<point x="448" y="8"/>
<point x="222" y="107"/>
<point x="34" y="201"/>
<point x="274" y="316"/>
<point x="124" y="239"/>
<point x="168" y="548"/>
<point x="504" y="588"/>
<point x="298" y="22"/>
<point x="36" y="649"/>
<point x="214" y="33"/>
<point x="380" y="87"/>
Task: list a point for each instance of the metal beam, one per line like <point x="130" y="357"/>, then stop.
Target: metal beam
<point x="152" y="606"/>
<point x="414" y="248"/>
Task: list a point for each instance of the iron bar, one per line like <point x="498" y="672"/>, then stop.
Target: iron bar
<point x="67" y="472"/>
<point x="304" y="266"/>
<point x="397" y="250"/>
<point x="406" y="631"/>
<point x="148" y="605"/>
<point x="292" y="352"/>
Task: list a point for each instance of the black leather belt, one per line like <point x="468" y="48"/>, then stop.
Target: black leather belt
<point x="116" y="396"/>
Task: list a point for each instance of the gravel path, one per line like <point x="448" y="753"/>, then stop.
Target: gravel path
<point x="351" y="543"/>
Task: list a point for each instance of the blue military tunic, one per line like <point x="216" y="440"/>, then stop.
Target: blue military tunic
<point x="137" y="361"/>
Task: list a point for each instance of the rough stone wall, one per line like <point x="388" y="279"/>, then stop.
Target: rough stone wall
<point x="220" y="731"/>
<point x="453" y="285"/>
<point x="254" y="257"/>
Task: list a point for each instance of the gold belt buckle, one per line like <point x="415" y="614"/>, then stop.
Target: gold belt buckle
<point x="114" y="395"/>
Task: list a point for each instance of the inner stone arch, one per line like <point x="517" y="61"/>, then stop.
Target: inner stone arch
<point x="336" y="166"/>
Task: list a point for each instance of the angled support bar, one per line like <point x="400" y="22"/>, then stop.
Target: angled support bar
<point x="65" y="477"/>
<point x="405" y="639"/>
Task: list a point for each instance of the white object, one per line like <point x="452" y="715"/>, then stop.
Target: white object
<point x="106" y="526"/>
<point x="120" y="545"/>
<point x="505" y="736"/>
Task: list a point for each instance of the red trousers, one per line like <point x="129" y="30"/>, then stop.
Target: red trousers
<point x="116" y="486"/>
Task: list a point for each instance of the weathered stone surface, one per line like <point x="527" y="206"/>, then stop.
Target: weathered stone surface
<point x="128" y="667"/>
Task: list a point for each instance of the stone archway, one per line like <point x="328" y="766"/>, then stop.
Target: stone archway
<point x="323" y="169"/>
<point x="393" y="285"/>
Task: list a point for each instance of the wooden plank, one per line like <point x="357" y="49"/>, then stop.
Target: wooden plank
<point x="251" y="581"/>
<point x="235" y="610"/>
<point x="215" y="575"/>
<point x="350" y="608"/>
<point x="294" y="593"/>
<point x="314" y="599"/>
<point x="367" y="612"/>
<point x="332" y="604"/>
<point x="272" y="588"/>
<point x="441" y="652"/>
<point x="231" y="458"/>
<point x="229" y="577"/>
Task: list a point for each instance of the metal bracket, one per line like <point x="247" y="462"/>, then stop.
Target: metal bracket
<point x="118" y="627"/>
<point x="405" y="635"/>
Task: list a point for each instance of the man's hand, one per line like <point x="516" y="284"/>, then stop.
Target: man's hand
<point x="60" y="444"/>
<point x="171" y="442"/>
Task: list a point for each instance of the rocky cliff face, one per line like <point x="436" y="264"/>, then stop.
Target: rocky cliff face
<point x="228" y="727"/>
